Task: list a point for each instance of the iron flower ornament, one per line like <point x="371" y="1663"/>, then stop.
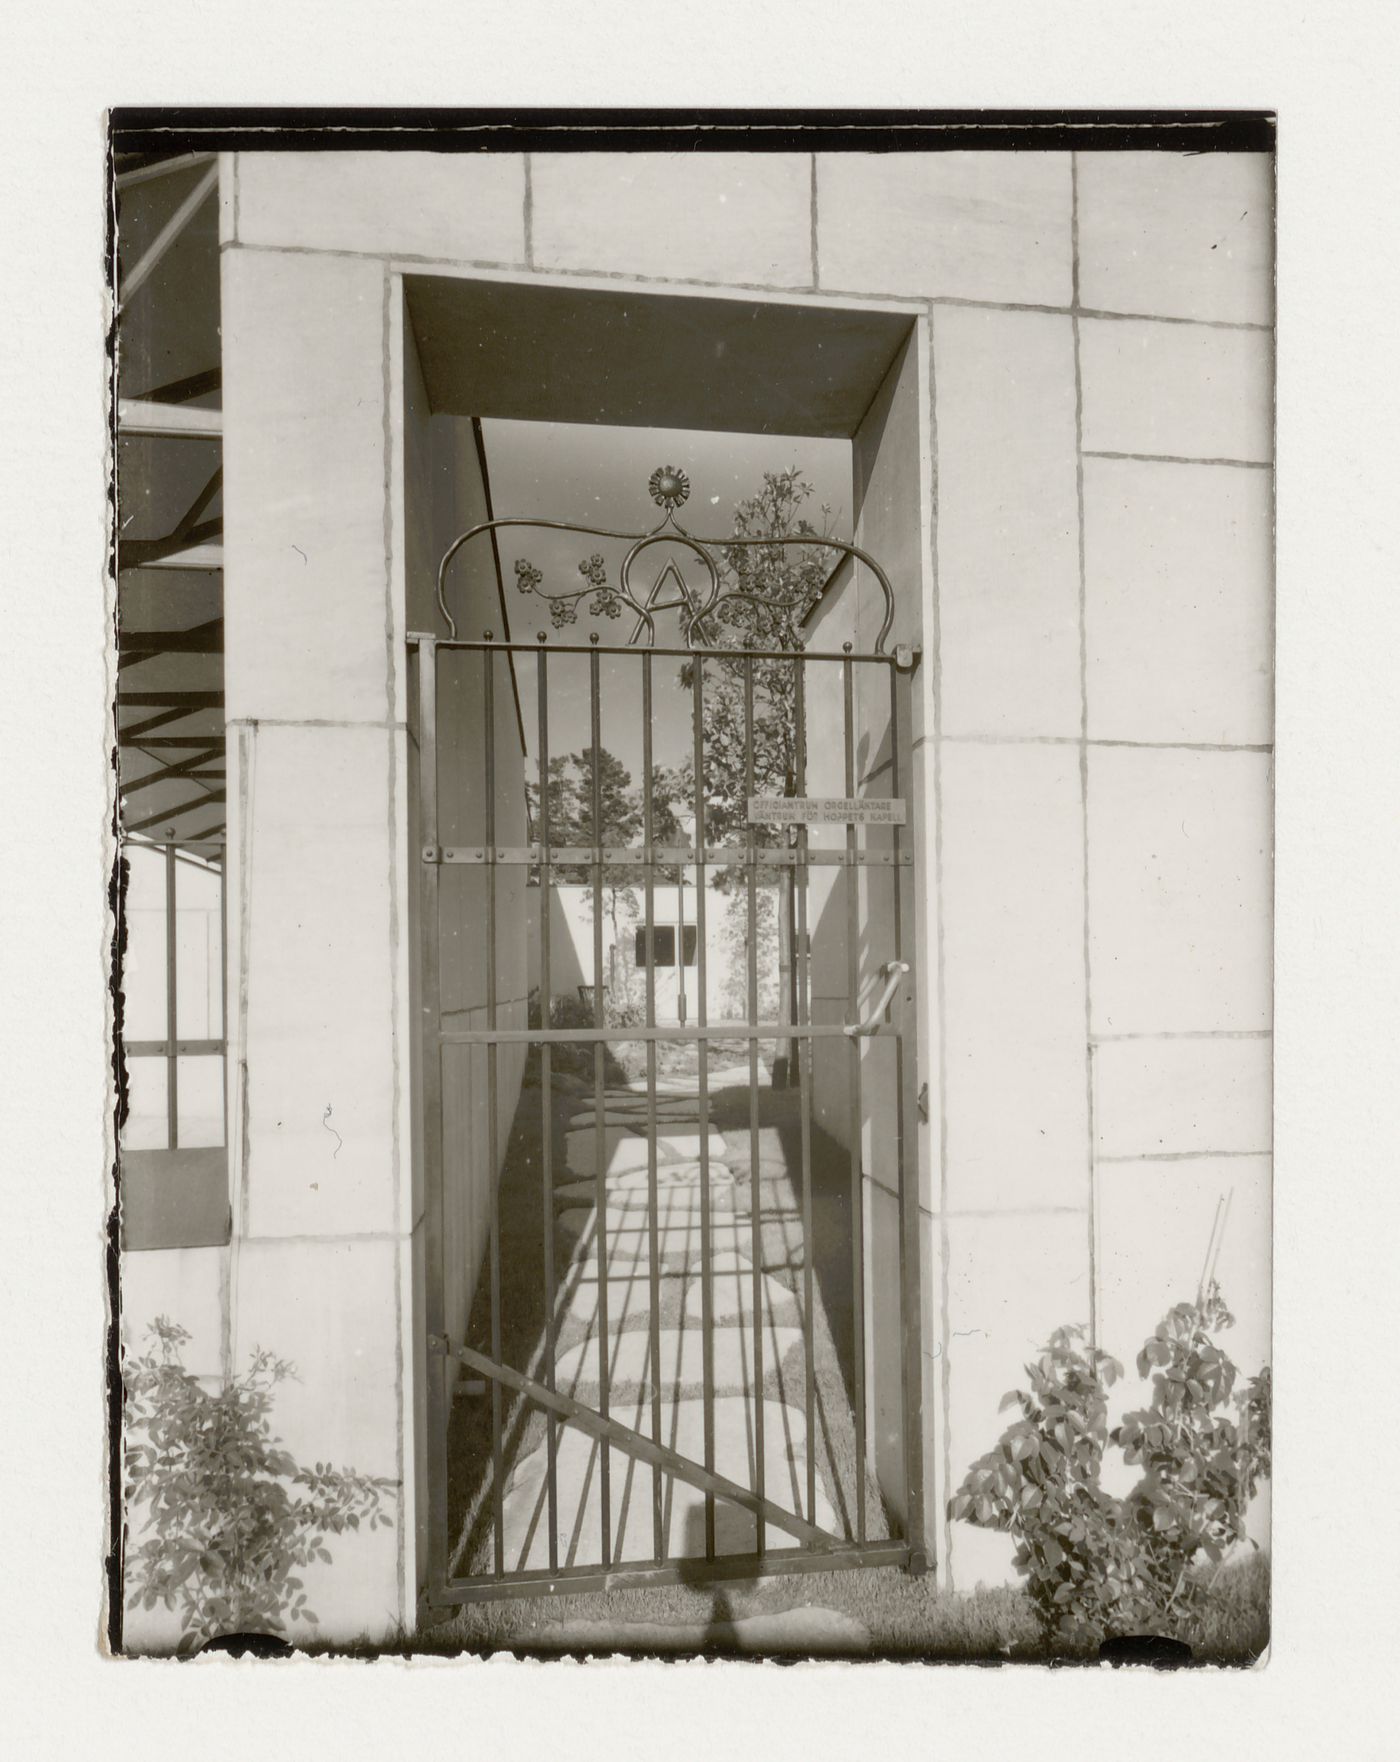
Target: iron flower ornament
<point x="669" y="487"/>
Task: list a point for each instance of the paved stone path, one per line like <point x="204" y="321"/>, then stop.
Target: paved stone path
<point x="676" y="1374"/>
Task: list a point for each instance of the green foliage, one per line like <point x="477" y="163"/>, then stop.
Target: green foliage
<point x="1097" y="1565"/>
<point x="785" y="582"/>
<point x="232" y="1515"/>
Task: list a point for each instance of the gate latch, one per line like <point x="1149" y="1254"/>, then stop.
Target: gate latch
<point x="895" y="971"/>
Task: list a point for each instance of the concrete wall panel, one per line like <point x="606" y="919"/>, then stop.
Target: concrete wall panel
<point x="1013" y="881"/>
<point x="332" y="1309"/>
<point x="973" y="226"/>
<point x="1179" y="602"/>
<point x="1008" y="523"/>
<point x="1189" y="391"/>
<point x="721" y="217"/>
<point x="190" y="1286"/>
<point x="441" y="205"/>
<point x="320" y="1023"/>
<point x="1159" y="1097"/>
<point x="1180" y="890"/>
<point x="305" y="572"/>
<point x="1182" y="236"/>
<point x="1011" y="1282"/>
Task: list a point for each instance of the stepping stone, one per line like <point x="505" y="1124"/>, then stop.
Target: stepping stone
<point x="668" y="1174"/>
<point x="628" y="1150"/>
<point x="731" y="1293"/>
<point x="629" y="1238"/>
<point x="636" y="1117"/>
<point x="673" y="1197"/>
<point x="578" y="1459"/>
<point x="628" y="1298"/>
<point x="682" y="1358"/>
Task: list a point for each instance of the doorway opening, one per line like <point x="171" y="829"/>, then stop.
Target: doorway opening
<point x="666" y="901"/>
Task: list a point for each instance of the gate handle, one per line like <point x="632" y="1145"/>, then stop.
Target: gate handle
<point x="896" y="971"/>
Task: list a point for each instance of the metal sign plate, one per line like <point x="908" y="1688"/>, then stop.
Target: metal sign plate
<point x="830" y="810"/>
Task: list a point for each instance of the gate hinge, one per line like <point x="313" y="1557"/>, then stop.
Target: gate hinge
<point x="907" y="656"/>
<point x="431" y="853"/>
<point x="923" y="1101"/>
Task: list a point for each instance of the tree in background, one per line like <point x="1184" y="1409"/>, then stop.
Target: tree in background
<point x="785" y="582"/>
<point x="620" y="820"/>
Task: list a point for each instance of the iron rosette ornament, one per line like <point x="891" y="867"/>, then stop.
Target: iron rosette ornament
<point x="739" y="572"/>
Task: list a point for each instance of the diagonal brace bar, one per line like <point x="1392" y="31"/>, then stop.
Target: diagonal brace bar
<point x="611" y="1431"/>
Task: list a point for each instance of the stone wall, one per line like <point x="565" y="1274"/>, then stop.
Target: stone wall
<point x="1089" y="574"/>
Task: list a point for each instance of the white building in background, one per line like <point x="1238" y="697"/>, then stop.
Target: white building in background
<point x="676" y="921"/>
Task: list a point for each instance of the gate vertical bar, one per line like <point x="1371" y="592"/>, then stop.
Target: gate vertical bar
<point x="852" y="874"/>
<point x="488" y="698"/>
<point x="595" y="718"/>
<point x="804" y="1079"/>
<point x="755" y="1193"/>
<point x="707" y="1344"/>
<point x="907" y="1117"/>
<point x="172" y="1005"/>
<point x="653" y="1201"/>
<point x="546" y="1105"/>
<point x="223" y="980"/>
<point x="431" y="1058"/>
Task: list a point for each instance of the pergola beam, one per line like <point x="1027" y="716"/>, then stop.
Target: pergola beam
<point x="206" y="557"/>
<point x="147" y="416"/>
<point x="162" y="168"/>
<point x="167" y="236"/>
<point x="185" y="807"/>
<point x="134" y="737"/>
<point x="180" y="768"/>
<point x="141" y="645"/>
<point x="171" y="700"/>
<point x="180" y="391"/>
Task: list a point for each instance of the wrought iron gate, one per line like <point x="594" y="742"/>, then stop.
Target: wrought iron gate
<point x="785" y="1529"/>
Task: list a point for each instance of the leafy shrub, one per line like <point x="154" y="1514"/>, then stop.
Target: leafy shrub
<point x="232" y="1514"/>
<point x="1097" y="1565"/>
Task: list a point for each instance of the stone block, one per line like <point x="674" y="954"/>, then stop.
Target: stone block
<point x="190" y="1286"/>
<point x="1008" y="523"/>
<point x="332" y="1309"/>
<point x="320" y="1024"/>
<point x="1178" y="235"/>
<point x="441" y="205"/>
<point x="1189" y="391"/>
<point x="1180" y="1097"/>
<point x="714" y="217"/>
<point x="1155" y="1222"/>
<point x="1011" y="1282"/>
<point x="1180" y="902"/>
<point x="973" y="226"/>
<point x="1013" y="880"/>
<point x="1178" y="603"/>
<point x="305" y="572"/>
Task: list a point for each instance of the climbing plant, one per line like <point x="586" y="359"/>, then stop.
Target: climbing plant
<point x="1097" y="1565"/>
<point x="231" y="1515"/>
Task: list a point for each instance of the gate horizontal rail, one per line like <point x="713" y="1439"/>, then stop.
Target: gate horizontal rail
<point x="634" y="856"/>
<point x="711" y="1031"/>
<point x="901" y="658"/>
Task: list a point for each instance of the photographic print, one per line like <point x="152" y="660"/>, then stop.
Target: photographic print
<point x="693" y="721"/>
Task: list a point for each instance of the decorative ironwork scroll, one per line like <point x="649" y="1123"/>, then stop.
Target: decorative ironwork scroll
<point x="698" y="608"/>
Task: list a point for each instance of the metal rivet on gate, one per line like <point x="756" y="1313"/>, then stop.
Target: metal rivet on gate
<point x="490" y="635"/>
<point x="846" y="648"/>
<point x="593" y="636"/>
<point x="541" y="636"/>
